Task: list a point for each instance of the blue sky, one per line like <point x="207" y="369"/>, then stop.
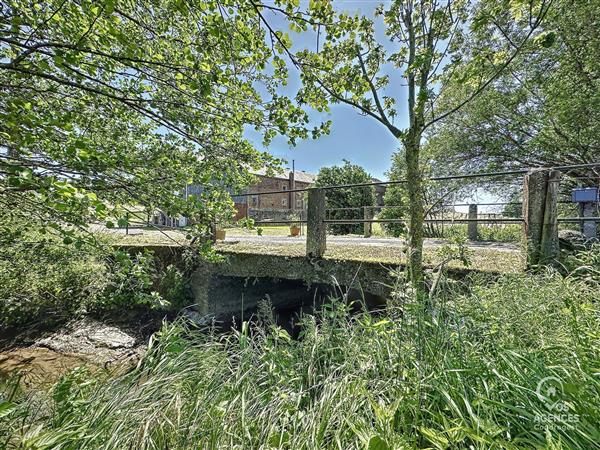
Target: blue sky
<point x="361" y="140"/>
<point x="358" y="139"/>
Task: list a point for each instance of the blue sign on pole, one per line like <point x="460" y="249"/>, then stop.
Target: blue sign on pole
<point x="585" y="195"/>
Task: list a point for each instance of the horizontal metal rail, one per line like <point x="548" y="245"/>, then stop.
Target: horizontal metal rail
<point x="579" y="219"/>
<point x="576" y="166"/>
<point x="427" y="206"/>
<point x="465" y="220"/>
<point x="479" y="175"/>
<point x="284" y="191"/>
<point x="437" y="178"/>
<point x="278" y="222"/>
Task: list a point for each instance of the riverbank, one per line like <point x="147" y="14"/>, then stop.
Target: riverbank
<point x="38" y="358"/>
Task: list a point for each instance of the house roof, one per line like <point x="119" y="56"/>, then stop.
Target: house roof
<point x="378" y="187"/>
<point x="299" y="175"/>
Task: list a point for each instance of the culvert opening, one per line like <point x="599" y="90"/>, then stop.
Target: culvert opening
<point x="233" y="300"/>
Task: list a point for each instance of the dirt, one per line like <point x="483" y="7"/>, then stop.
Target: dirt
<point x="83" y="342"/>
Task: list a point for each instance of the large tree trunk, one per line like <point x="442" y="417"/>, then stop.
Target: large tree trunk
<point x="414" y="183"/>
<point x="412" y="146"/>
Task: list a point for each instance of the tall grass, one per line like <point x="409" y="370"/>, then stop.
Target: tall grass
<point x="463" y="377"/>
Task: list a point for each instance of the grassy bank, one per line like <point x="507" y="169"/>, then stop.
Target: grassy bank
<point x="466" y="376"/>
<point x="45" y="280"/>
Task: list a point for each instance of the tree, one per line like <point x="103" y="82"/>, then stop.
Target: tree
<point x="346" y="203"/>
<point x="436" y="194"/>
<point x="353" y="65"/>
<point x="108" y="104"/>
<point x="544" y="111"/>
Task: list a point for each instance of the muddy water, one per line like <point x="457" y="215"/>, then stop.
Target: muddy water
<point x="37" y="366"/>
<point x="85" y="342"/>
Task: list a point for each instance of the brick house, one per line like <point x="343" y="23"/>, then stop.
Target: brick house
<point x="275" y="206"/>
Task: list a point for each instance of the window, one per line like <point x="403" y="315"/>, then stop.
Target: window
<point x="255" y="200"/>
<point x="283" y="202"/>
<point x="284" y="187"/>
<point x="299" y="203"/>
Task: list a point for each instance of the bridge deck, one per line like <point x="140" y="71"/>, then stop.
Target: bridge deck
<point x="483" y="256"/>
<point x="222" y="288"/>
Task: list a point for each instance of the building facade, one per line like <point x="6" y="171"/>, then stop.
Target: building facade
<point x="281" y="205"/>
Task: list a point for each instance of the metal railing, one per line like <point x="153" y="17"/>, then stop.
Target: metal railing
<point x="318" y="216"/>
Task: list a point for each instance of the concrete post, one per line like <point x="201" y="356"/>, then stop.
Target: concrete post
<point x="472" y="225"/>
<point x="367" y="226"/>
<point x="550" y="246"/>
<point x="534" y="200"/>
<point x="316" y="233"/>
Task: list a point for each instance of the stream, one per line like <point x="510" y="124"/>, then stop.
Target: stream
<point x="82" y="342"/>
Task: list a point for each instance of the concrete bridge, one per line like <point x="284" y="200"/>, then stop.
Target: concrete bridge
<point x="278" y="271"/>
<point x="292" y="272"/>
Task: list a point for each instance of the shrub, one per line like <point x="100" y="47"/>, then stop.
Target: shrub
<point x="346" y="203"/>
<point x="130" y="282"/>
<point x="584" y="265"/>
<point x="43" y="278"/>
<point x="512" y="233"/>
<point x="393" y="229"/>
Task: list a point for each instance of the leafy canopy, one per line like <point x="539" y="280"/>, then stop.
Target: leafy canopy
<point x="346" y="203"/>
<point x="544" y="111"/>
<point x="114" y="103"/>
<point x="401" y="55"/>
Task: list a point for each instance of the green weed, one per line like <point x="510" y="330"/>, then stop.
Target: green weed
<point x="466" y="375"/>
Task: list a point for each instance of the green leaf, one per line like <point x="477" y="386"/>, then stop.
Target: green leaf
<point x="6" y="408"/>
<point x="377" y="443"/>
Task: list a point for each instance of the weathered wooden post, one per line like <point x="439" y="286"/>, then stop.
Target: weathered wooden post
<point x="472" y="225"/>
<point x="540" y="215"/>
<point x="367" y="226"/>
<point x="316" y="229"/>
<point x="550" y="244"/>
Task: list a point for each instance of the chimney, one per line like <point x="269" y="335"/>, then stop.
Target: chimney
<point x="292" y="195"/>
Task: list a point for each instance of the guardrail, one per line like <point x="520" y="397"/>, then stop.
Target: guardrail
<point x="540" y="210"/>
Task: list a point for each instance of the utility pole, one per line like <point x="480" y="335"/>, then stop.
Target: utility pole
<point x="292" y="194"/>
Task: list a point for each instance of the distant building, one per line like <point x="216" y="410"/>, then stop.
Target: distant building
<point x="379" y="191"/>
<point x="275" y="206"/>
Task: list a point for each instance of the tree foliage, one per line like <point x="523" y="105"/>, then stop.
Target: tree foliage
<point x="544" y="111"/>
<point x="346" y="203"/>
<point x="354" y="64"/>
<point x="437" y="195"/>
<point x="107" y="104"/>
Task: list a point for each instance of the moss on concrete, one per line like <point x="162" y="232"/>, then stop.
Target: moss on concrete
<point x="489" y="260"/>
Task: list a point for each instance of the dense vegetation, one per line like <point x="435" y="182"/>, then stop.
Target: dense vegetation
<point x="110" y="105"/>
<point x="44" y="279"/>
<point x="346" y="203"/>
<point x="110" y="108"/>
<point x="543" y="111"/>
<point x="467" y="376"/>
